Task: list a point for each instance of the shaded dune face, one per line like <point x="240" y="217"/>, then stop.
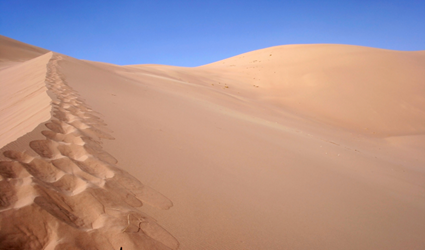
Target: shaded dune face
<point x="24" y="102"/>
<point x="70" y="194"/>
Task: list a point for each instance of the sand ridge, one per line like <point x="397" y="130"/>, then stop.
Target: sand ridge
<point x="73" y="195"/>
<point x="370" y="91"/>
<point x="14" y="52"/>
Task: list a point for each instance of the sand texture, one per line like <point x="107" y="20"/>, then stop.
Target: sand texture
<point x="24" y="102"/>
<point x="289" y="147"/>
<point x="71" y="195"/>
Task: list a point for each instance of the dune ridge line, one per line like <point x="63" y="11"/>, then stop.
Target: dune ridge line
<point x="73" y="195"/>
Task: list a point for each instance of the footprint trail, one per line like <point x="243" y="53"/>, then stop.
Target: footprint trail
<point x="73" y="195"/>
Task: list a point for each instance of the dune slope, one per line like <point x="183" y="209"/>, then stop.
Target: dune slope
<point x="58" y="188"/>
<point x="24" y="102"/>
<point x="260" y="160"/>
<point x="13" y="52"/>
<point x="367" y="90"/>
<point x="290" y="147"/>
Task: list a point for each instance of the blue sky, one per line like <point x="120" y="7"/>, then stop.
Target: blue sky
<point x="192" y="33"/>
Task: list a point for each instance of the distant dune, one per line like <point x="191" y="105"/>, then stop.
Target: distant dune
<point x="289" y="147"/>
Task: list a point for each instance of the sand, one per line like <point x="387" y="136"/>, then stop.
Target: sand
<point x="289" y="147"/>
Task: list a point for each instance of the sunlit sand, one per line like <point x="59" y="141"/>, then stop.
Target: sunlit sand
<point x="289" y="147"/>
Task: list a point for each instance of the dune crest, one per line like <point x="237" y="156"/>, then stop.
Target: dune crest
<point x="374" y="92"/>
<point x="73" y="195"/>
<point x="367" y="90"/>
<point x="14" y="52"/>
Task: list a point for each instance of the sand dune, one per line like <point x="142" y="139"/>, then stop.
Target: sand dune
<point x="370" y="91"/>
<point x="14" y="52"/>
<point x="24" y="102"/>
<point x="289" y="147"/>
<point x="71" y="195"/>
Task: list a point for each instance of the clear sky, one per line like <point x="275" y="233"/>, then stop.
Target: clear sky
<point x="192" y="33"/>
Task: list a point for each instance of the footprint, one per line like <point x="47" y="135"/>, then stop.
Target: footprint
<point x="43" y="170"/>
<point x="73" y="151"/>
<point x="18" y="156"/>
<point x="45" y="148"/>
<point x="12" y="169"/>
<point x="55" y="127"/>
<point x="78" y="211"/>
<point x="75" y="181"/>
<point x="68" y="185"/>
<point x="140" y="223"/>
<point x="144" y="193"/>
<point x="95" y="167"/>
<point x="7" y="194"/>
